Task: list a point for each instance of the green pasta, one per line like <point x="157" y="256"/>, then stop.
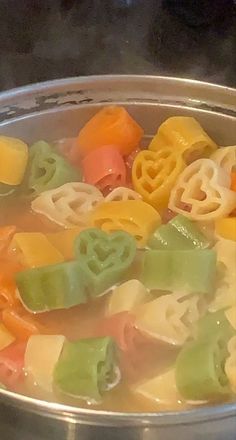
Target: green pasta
<point x="86" y="368"/>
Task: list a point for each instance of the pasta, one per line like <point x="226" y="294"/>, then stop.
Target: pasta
<point x="6" y="338"/>
<point x="13" y="160"/>
<point x="126" y="297"/>
<point x="105" y="168"/>
<point x="202" y="192"/>
<point x="122" y="194"/>
<point x="225" y="157"/>
<point x="41" y="356"/>
<point x="154" y="173"/>
<point x="230" y="364"/>
<point x="33" y="249"/>
<point x="160" y="389"/>
<point x="46" y="170"/>
<point x="169" y="318"/>
<point x="225" y="292"/>
<point x="185" y="135"/>
<point x="68" y="205"/>
<point x="118" y="267"/>
<point x="135" y="217"/>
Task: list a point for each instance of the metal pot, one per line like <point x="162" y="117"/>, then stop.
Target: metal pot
<point x="58" y="109"/>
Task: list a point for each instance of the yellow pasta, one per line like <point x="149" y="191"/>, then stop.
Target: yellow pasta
<point x="133" y="216"/>
<point x="231" y="315"/>
<point x="169" y="318"/>
<point x="154" y="173"/>
<point x="126" y="297"/>
<point x="13" y="160"/>
<point x="68" y="205"/>
<point x="34" y="249"/>
<point x="225" y="157"/>
<point x="230" y="364"/>
<point x="185" y="135"/>
<point x="202" y="192"/>
<point x="6" y="338"/>
<point x="122" y="193"/>
<point x="41" y="356"/>
<point x="160" y="389"/>
<point x="225" y="293"/>
<point x="226" y="228"/>
<point x="64" y="241"/>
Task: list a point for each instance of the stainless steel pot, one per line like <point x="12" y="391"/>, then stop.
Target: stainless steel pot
<point x="58" y="109"/>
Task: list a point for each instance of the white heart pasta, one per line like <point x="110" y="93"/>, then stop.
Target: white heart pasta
<point x="225" y="295"/>
<point x="122" y="194"/>
<point x="230" y="364"/>
<point x="225" y="157"/>
<point x="127" y="296"/>
<point x="202" y="192"/>
<point x="68" y="205"/>
<point x="169" y="318"/>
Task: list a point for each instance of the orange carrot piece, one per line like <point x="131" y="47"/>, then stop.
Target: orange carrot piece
<point x="112" y="125"/>
<point x="19" y="323"/>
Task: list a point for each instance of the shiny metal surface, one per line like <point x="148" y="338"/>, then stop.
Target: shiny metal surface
<point x="58" y="109"/>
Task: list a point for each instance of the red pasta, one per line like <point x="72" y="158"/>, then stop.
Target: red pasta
<point x="11" y="364"/>
<point x="121" y="328"/>
<point x="104" y="168"/>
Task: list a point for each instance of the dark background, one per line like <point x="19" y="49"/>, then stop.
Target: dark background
<point x="46" y="39"/>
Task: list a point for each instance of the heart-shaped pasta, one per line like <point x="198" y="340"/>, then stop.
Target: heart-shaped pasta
<point x="154" y="173"/>
<point x="133" y="216"/>
<point x="230" y="364"/>
<point x="122" y="194"/>
<point x="225" y="295"/>
<point x="185" y="135"/>
<point x="169" y="318"/>
<point x="68" y="205"/>
<point x="104" y="258"/>
<point x="225" y="157"/>
<point x="202" y="192"/>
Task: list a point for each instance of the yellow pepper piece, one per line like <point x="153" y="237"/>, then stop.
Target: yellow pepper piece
<point x="35" y="250"/>
<point x="185" y="135"/>
<point x="226" y="228"/>
<point x="6" y="338"/>
<point x="64" y="241"/>
<point x="154" y="174"/>
<point x="133" y="216"/>
<point x="13" y="160"/>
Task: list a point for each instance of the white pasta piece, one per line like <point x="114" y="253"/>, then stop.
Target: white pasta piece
<point x="41" y="356"/>
<point x="225" y="157"/>
<point x="160" y="389"/>
<point x="230" y="364"/>
<point x="169" y="318"/>
<point x="225" y="295"/>
<point x="68" y="205"/>
<point x="202" y="192"/>
<point x="126" y="297"/>
<point x="122" y="194"/>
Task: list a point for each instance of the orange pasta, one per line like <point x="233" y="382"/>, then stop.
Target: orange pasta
<point x="19" y="324"/>
<point x="111" y="125"/>
<point x="233" y="180"/>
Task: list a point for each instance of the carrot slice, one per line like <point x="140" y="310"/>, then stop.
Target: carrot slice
<point x="112" y="125"/>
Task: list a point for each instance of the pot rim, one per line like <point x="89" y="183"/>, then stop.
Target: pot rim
<point x="218" y="98"/>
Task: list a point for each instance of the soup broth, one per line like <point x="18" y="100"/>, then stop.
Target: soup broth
<point x="118" y="267"/>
